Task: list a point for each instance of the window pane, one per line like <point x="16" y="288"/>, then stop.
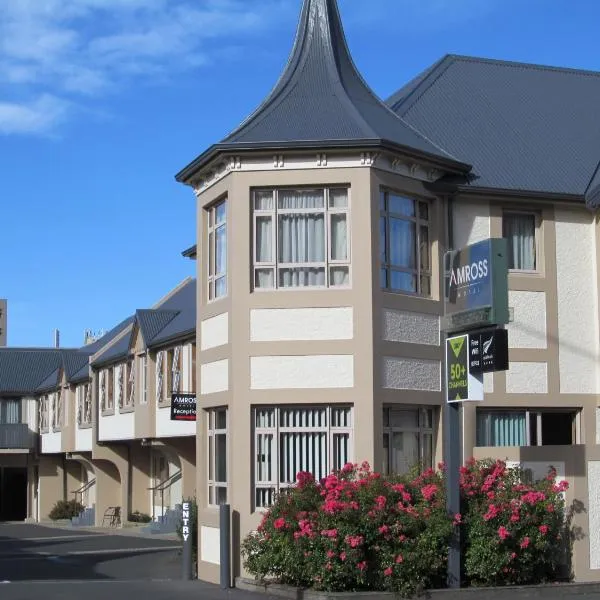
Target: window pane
<point x="221" y="495"/>
<point x="339" y="237"/>
<point x="382" y="197"/>
<point x="427" y="418"/>
<point x="405" y="418"/>
<point x="406" y="282"/>
<point x="341" y="452"/>
<point x="211" y="253"/>
<point x="221" y="419"/>
<point x="403" y="206"/>
<point x="386" y="453"/>
<point x="427" y="439"/>
<point x="301" y="238"/>
<point x="519" y="229"/>
<point x="302" y="277"/>
<point x="221" y="250"/>
<point x="424" y="247"/>
<point x="264" y="278"/>
<point x="220" y="287"/>
<point x="211" y="456"/>
<point x="382" y="239"/>
<point x="263" y="200"/>
<point x="501" y="428"/>
<point x="339" y="276"/>
<point x="338" y="198"/>
<point x="405" y="451"/>
<point x="383" y="276"/>
<point x="294" y="199"/>
<point x="221" y="457"/>
<point x="264" y="457"/>
<point x="424" y="211"/>
<point x="220" y="213"/>
<point x="264" y="239"/>
<point x="402" y="243"/>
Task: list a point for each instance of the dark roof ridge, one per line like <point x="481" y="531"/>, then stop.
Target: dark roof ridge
<point x="516" y="63"/>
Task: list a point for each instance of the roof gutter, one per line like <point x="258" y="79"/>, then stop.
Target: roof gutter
<point x="186" y="174"/>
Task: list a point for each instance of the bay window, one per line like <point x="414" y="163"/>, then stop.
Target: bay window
<point x="301" y="238"/>
<point x="519" y="228"/>
<point x="404" y="244"/>
<point x="217" y="456"/>
<point x="287" y="440"/>
<point x="408" y="439"/>
<point x="217" y="251"/>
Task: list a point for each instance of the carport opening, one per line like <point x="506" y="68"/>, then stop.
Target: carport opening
<point x="13" y="493"/>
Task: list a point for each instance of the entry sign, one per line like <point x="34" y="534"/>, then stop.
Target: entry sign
<point x="183" y="407"/>
<point x="462" y="385"/>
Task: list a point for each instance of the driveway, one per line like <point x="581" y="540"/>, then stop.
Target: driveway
<point x="58" y="563"/>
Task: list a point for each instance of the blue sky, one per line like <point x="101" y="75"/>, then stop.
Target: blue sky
<point x="103" y="101"/>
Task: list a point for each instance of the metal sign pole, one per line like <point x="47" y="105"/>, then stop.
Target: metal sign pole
<point x="187" y="541"/>
<point x="453" y="463"/>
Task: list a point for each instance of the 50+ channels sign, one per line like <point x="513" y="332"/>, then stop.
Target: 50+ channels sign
<point x="462" y="384"/>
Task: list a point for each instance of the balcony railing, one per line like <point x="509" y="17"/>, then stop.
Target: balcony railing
<point x="16" y="436"/>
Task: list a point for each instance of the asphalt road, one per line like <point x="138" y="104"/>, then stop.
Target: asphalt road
<point x="63" y="564"/>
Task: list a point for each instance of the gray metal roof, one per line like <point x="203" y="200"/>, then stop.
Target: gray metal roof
<point x="22" y="370"/>
<point x="190" y="252"/>
<point x="322" y="101"/>
<point x="151" y="322"/>
<point x="523" y="127"/>
<point x="82" y="375"/>
<point x="107" y="337"/>
<point x="117" y="352"/>
<point x="50" y="383"/>
<point x="183" y="301"/>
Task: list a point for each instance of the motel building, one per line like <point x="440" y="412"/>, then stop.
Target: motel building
<point x="322" y="223"/>
<point x="93" y="423"/>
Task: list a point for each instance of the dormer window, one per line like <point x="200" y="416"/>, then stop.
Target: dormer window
<point x="301" y="238"/>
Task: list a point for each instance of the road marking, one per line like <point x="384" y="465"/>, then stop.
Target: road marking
<point x="120" y="550"/>
<point x="32" y="555"/>
<point x="52" y="538"/>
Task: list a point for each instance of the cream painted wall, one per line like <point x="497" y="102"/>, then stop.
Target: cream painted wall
<point x="288" y="324"/>
<point x="528" y="327"/>
<point x="594" y="512"/>
<point x="411" y="374"/>
<point x="576" y="271"/>
<point x="527" y="378"/>
<point x="116" y="427"/>
<point x="410" y="327"/>
<point x="52" y="443"/>
<point x="214" y="377"/>
<point x="214" y="332"/>
<point x="301" y="372"/>
<point x="471" y="223"/>
<point x="167" y="428"/>
<point x="210" y="544"/>
<point x="83" y="439"/>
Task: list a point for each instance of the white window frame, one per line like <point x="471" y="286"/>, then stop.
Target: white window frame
<point x="87" y="404"/>
<point x="537" y="221"/>
<point x="328" y="212"/>
<point x="160" y="359"/>
<point x="211" y="455"/>
<point x="44" y="425"/>
<point x="385" y="266"/>
<point x="120" y="385"/>
<point x="143" y="377"/>
<point x="271" y="487"/>
<point x="421" y="430"/>
<point x="211" y="250"/>
<point x="534" y="414"/>
<point x="130" y="396"/>
<point x="176" y="370"/>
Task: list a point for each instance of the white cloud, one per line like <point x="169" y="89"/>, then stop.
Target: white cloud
<point x="54" y="53"/>
<point x="39" y="116"/>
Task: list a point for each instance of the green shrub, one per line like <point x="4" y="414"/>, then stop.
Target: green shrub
<point x="193" y="525"/>
<point x="357" y="530"/>
<point x="139" y="517"/>
<point x="66" y="509"/>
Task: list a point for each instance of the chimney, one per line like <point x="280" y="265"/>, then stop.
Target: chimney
<point x="56" y="338"/>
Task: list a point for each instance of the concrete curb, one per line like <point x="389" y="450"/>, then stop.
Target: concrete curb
<point x="545" y="592"/>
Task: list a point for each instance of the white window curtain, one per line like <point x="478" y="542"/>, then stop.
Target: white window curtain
<point x="519" y="229"/>
<point x="302" y="237"/>
<point x="10" y="411"/>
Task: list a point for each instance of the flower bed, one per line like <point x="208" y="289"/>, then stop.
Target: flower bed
<point x="358" y="531"/>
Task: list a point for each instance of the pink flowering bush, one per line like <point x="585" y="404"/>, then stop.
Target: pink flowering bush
<point x="513" y="532"/>
<point x="357" y="530"/>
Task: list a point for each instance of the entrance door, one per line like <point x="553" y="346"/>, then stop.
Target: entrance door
<point x="13" y="494"/>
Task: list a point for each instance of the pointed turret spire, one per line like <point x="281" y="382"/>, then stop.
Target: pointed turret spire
<point x="322" y="101"/>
